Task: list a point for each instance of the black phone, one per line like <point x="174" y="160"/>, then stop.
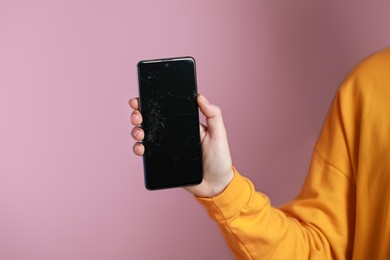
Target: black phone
<point x="169" y="108"/>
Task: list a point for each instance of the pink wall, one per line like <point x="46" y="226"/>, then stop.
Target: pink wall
<point x="70" y="187"/>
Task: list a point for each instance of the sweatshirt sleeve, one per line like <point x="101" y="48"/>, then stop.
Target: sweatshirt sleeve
<point x="319" y="222"/>
<point x="314" y="226"/>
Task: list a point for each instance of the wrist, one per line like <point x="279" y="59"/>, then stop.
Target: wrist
<point x="220" y="187"/>
<point x="211" y="188"/>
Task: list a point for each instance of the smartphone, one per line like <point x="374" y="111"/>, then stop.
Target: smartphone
<point x="169" y="108"/>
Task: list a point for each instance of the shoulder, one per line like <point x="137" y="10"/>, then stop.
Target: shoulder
<point x="375" y="67"/>
<point x="370" y="78"/>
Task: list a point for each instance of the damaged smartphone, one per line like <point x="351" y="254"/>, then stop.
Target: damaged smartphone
<point x="168" y="104"/>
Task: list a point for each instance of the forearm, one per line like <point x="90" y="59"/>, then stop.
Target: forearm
<point x="255" y="230"/>
<point x="251" y="227"/>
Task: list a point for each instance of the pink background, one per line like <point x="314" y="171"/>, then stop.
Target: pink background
<point x="70" y="187"/>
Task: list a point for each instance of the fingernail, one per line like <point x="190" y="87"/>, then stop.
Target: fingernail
<point x="137" y="149"/>
<point x="133" y="116"/>
<point x="204" y="99"/>
<point x="137" y="133"/>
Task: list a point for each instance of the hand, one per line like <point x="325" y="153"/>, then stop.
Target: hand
<point x="217" y="162"/>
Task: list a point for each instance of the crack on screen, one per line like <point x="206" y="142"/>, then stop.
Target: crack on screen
<point x="150" y="78"/>
<point x="155" y="121"/>
<point x="170" y="122"/>
<point x="189" y="99"/>
<point x="160" y="99"/>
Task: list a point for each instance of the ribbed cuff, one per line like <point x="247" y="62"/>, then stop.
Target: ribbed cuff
<point x="227" y="204"/>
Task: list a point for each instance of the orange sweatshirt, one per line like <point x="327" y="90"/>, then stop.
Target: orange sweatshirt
<point x="343" y="210"/>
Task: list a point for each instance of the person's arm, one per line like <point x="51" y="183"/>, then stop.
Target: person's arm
<point x="318" y="224"/>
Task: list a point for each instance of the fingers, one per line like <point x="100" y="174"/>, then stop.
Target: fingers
<point x="202" y="130"/>
<point x="138" y="149"/>
<point x="136" y="117"/>
<point x="209" y="111"/>
<point x="134" y="103"/>
<point x="138" y="134"/>
<point x="212" y="113"/>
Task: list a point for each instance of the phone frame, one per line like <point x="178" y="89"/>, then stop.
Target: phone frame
<point x="199" y="177"/>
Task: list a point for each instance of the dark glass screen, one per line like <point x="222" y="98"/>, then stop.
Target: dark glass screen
<point x="168" y="93"/>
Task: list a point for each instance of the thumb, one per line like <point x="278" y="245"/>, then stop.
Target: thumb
<point x="213" y="115"/>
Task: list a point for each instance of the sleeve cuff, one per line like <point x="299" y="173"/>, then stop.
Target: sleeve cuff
<point x="228" y="204"/>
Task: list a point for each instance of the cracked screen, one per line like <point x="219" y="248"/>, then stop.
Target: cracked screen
<point x="168" y="93"/>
